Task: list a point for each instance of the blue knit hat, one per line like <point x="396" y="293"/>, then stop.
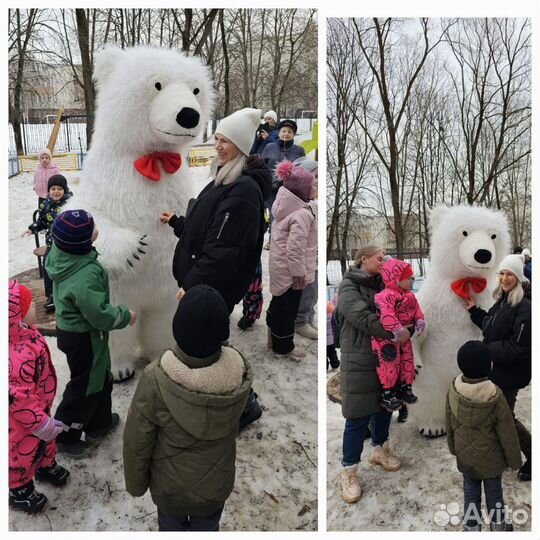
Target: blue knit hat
<point x="72" y="231"/>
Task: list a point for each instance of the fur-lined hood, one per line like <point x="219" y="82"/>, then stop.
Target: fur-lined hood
<point x="473" y="400"/>
<point x="204" y="401"/>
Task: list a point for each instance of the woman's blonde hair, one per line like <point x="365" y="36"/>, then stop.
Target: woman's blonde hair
<point x="515" y="296"/>
<point x="366" y="251"/>
<point x="229" y="172"/>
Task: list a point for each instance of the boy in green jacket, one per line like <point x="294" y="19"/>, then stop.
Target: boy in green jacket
<point x="84" y="317"/>
<point x="482" y="436"/>
<point x="181" y="429"/>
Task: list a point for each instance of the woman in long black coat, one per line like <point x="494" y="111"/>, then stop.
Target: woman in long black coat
<point x="221" y="235"/>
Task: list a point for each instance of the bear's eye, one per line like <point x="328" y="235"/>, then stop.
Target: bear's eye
<point x="465" y="233"/>
<point x="493" y="236"/>
<point x="196" y="91"/>
<point x="158" y="86"/>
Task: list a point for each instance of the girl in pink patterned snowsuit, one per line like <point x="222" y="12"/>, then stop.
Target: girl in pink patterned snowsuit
<point x="397" y="308"/>
<point x="32" y="387"/>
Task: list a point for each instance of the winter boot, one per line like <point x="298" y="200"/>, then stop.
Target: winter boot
<point x="49" y="304"/>
<point x="403" y="414"/>
<point x="77" y="450"/>
<point x="405" y="394"/>
<point x="27" y="499"/>
<point x="54" y="474"/>
<point x="524" y="474"/>
<point x="269" y="339"/>
<point x="115" y="420"/>
<point x="307" y="331"/>
<point x="389" y="400"/>
<point x="382" y="455"/>
<point x="244" y="323"/>
<point x="350" y="486"/>
<point x="252" y="411"/>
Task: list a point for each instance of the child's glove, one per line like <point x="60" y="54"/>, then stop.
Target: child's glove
<point x="299" y="282"/>
<point x="401" y="335"/>
<point x="49" y="429"/>
<point x="420" y="326"/>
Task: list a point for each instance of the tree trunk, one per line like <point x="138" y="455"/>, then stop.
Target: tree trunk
<point x="87" y="68"/>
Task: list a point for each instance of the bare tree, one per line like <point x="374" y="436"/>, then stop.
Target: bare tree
<point x="22" y="27"/>
<point x="394" y="88"/>
<point x="86" y="39"/>
<point x="491" y="87"/>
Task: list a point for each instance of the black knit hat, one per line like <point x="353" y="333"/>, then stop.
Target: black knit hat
<point x="57" y="180"/>
<point x="288" y="123"/>
<point x="201" y="323"/>
<point x="72" y="231"/>
<point x="474" y="360"/>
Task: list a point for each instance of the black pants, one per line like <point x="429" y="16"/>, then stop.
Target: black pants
<point x="280" y="318"/>
<point x="331" y="356"/>
<point x="472" y="492"/>
<point x="187" y="522"/>
<point x="47" y="281"/>
<point x="93" y="411"/>
<point x="523" y="433"/>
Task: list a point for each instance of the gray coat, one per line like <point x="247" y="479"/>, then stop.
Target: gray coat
<point x="360" y="385"/>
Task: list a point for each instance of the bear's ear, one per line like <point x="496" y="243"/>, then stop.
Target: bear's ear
<point x="436" y="215"/>
<point x="106" y="61"/>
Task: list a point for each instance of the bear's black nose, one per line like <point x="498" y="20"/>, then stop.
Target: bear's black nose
<point x="188" y="118"/>
<point x="482" y="256"/>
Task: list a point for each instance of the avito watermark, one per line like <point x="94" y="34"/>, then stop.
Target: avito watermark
<point x="451" y="514"/>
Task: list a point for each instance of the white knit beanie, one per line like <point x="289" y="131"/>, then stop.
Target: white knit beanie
<point x="239" y="127"/>
<point x="307" y="163"/>
<point x="514" y="263"/>
<point x="271" y="114"/>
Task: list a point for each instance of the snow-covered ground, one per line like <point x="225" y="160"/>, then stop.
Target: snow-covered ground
<point x="276" y="466"/>
<point x="412" y="498"/>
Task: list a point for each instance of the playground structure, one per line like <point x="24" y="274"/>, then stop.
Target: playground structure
<point x="67" y="159"/>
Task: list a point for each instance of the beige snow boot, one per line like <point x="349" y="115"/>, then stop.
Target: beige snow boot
<point x="382" y="455"/>
<point x="350" y="486"/>
<point x="307" y="331"/>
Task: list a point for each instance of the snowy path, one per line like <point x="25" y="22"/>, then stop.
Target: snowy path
<point x="275" y="479"/>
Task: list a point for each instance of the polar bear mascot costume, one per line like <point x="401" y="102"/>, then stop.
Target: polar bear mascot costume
<point x="151" y="104"/>
<point x="467" y="244"/>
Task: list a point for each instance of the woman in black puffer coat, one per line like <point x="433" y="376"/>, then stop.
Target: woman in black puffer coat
<point x="221" y="236"/>
<point x="507" y="332"/>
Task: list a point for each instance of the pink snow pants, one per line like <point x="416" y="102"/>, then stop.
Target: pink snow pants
<point x="27" y="454"/>
<point x="394" y="361"/>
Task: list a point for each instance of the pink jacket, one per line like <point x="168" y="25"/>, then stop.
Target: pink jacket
<point x="293" y="248"/>
<point x="397" y="308"/>
<point x="41" y="178"/>
<point x="32" y="385"/>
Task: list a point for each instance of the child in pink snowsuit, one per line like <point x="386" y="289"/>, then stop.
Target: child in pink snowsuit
<point x="397" y="308"/>
<point x="32" y="387"/>
<point x="45" y="169"/>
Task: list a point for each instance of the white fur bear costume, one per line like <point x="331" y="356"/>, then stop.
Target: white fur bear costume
<point x="466" y="241"/>
<point x="148" y="100"/>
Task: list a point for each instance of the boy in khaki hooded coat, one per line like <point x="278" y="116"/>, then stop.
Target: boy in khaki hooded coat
<point x="482" y="436"/>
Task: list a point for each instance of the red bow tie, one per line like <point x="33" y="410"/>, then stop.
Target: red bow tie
<point x="461" y="286"/>
<point x="148" y="165"/>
